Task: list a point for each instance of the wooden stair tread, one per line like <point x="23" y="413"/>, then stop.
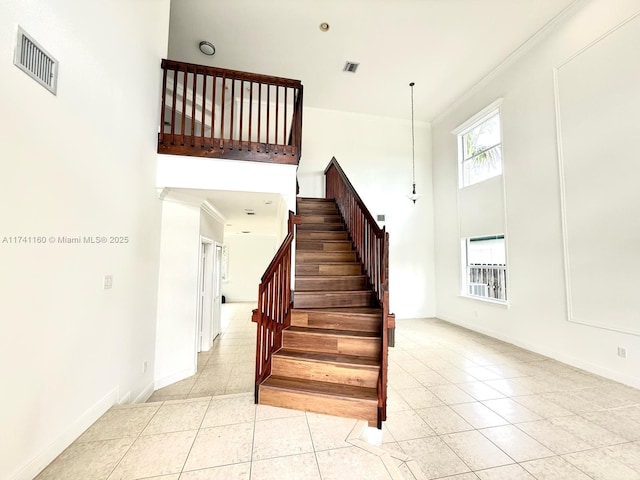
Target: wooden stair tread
<point x="328" y="240"/>
<point x="334" y="292"/>
<point x="333" y="277"/>
<point x="368" y="311"/>
<point x="322" y="388"/>
<point x="330" y="263"/>
<point x="334" y="358"/>
<point x="333" y="332"/>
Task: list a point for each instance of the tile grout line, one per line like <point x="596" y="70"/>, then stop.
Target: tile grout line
<point x="134" y="441"/>
<point x="186" y="458"/>
<point x="313" y="446"/>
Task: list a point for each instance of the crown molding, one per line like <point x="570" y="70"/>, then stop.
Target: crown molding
<point x="212" y="211"/>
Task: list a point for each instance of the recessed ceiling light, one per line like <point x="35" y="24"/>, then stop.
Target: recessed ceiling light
<point x="207" y="48"/>
<point x="324" y="27"/>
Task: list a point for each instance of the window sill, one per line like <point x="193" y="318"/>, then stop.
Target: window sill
<point x="498" y="303"/>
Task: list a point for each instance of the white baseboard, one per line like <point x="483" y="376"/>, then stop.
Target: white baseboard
<point x="124" y="399"/>
<point x="34" y="466"/>
<point x="560" y="356"/>
<point x="173" y="378"/>
<point x="145" y="393"/>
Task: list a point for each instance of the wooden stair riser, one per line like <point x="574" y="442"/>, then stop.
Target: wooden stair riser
<point x="329" y="269"/>
<point x="304" y="235"/>
<point x="336" y="321"/>
<point x="324" y="246"/>
<point x="324" y="371"/>
<point x="308" y="402"/>
<point x="339" y="344"/>
<point x="317" y="219"/>
<point x="334" y="227"/>
<point x="324" y="257"/>
<point x="333" y="299"/>
<point x="317" y="210"/>
<point x="345" y="282"/>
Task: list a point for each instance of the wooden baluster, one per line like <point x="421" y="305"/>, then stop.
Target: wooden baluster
<point x="259" y="112"/>
<point x="241" y="110"/>
<point x="213" y="107"/>
<point x="277" y="117"/>
<point x="203" y="121"/>
<point x="250" y="114"/>
<point x="173" y="106"/>
<point x="231" y="120"/>
<point x="268" y="115"/>
<point x="284" y="133"/>
<point x="193" y="107"/>
<point x="184" y="104"/>
<point x="164" y="102"/>
<point x="222" y="101"/>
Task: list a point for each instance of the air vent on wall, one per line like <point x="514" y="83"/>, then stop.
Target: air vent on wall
<point x="350" y="67"/>
<point x="35" y="61"/>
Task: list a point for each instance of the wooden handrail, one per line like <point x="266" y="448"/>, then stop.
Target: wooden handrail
<point x="372" y="247"/>
<point x="221" y="113"/>
<point x="273" y="314"/>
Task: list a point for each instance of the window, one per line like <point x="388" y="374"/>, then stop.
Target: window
<point x="480" y="150"/>
<point x="485" y="271"/>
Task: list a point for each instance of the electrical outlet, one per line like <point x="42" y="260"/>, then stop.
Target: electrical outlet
<point x="107" y="282"/>
<point x="144" y="367"/>
<point x="622" y="352"/>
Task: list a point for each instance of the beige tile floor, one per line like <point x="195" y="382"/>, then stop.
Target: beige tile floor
<point x="462" y="406"/>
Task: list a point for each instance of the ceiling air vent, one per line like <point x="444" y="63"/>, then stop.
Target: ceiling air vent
<point x="35" y="61"/>
<point x="350" y="67"/>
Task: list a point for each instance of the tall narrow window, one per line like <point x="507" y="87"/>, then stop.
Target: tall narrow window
<point x="485" y="267"/>
<point x="480" y="150"/>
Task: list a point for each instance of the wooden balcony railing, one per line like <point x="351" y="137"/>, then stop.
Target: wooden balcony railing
<point x="219" y="113"/>
<point x="273" y="314"/>
<point x="372" y="247"/>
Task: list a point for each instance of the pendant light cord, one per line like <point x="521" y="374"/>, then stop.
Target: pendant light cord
<point x="413" y="141"/>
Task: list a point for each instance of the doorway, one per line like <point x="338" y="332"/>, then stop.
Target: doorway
<point x="209" y="296"/>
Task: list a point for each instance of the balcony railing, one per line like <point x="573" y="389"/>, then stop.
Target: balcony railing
<point x="487" y="280"/>
<point x="220" y="113"/>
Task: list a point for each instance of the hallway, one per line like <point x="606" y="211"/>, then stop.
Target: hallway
<point x="462" y="406"/>
<point x="230" y="364"/>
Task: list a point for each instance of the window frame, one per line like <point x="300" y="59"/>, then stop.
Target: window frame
<point x="479" y="118"/>
<point x="465" y="270"/>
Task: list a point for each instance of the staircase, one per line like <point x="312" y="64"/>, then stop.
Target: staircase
<point x="330" y="357"/>
<point x="326" y="349"/>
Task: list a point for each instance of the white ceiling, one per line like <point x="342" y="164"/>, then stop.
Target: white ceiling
<point x="234" y="206"/>
<point x="445" y="46"/>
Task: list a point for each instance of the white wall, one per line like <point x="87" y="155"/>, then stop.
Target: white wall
<point x="249" y="256"/>
<point x="231" y="175"/>
<point x="79" y="163"/>
<point x="537" y="316"/>
<point x="211" y="228"/>
<point x="182" y="226"/>
<point x="177" y="293"/>
<point x="375" y="153"/>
